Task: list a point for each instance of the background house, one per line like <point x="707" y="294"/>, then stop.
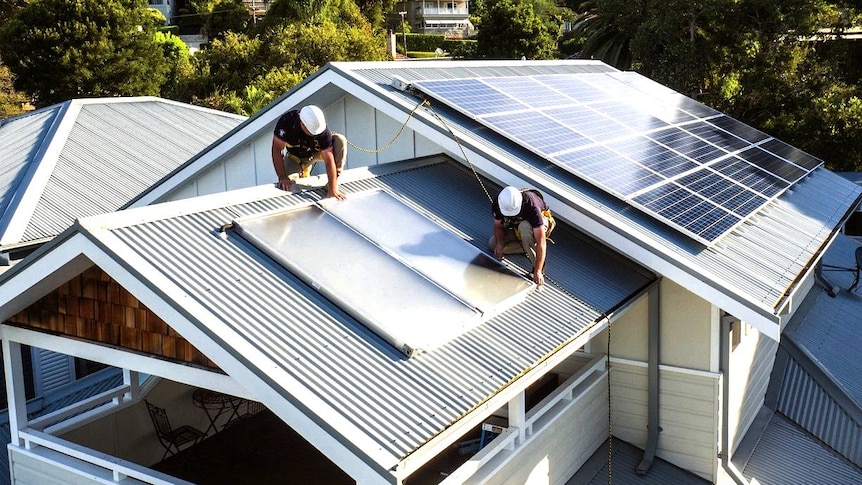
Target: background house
<point x="451" y="17"/>
<point x="669" y="339"/>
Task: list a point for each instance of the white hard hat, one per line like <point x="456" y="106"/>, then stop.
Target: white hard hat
<point x="510" y="201"/>
<point x="313" y="119"/>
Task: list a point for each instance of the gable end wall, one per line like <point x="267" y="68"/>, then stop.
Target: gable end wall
<point x="94" y="307"/>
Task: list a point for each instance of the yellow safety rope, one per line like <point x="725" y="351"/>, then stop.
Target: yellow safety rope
<point x="401" y="130"/>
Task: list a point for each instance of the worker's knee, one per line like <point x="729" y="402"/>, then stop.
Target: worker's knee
<point x="339" y="150"/>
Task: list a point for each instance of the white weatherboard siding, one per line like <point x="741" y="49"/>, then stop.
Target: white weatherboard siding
<point x="750" y="367"/>
<point x="250" y="163"/>
<point x="688" y="413"/>
<point x="556" y="453"/>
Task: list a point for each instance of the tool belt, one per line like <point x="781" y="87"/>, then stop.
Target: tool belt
<point x="299" y="160"/>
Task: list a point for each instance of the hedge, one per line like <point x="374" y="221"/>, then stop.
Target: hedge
<point x="430" y="42"/>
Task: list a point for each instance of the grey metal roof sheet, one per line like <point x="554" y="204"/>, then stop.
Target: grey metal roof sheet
<point x="831" y="331"/>
<point x="21" y="138"/>
<point x="399" y="403"/>
<point x="114" y="151"/>
<point x="787" y="454"/>
<point x="107" y="152"/>
<point x="759" y="262"/>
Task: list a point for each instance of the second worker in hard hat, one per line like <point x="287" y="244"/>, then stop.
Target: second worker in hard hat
<point x="301" y="139"/>
<point x="521" y="224"/>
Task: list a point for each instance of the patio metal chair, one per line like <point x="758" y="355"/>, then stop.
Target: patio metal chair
<point x="170" y="438"/>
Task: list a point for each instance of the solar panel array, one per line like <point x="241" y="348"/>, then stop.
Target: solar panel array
<point x="685" y="163"/>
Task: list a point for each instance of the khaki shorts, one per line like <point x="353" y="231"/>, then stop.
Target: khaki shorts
<point x="303" y="166"/>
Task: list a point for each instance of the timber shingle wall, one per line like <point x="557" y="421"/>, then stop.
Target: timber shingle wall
<point x="94" y="307"/>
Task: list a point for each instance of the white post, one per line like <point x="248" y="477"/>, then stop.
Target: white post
<point x="131" y="379"/>
<point x="15" y="395"/>
<point x="518" y="415"/>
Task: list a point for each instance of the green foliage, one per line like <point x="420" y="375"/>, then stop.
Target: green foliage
<point x="511" y="29"/>
<point x="760" y="61"/>
<point x="273" y="62"/>
<point x="177" y="54"/>
<point x="221" y="16"/>
<point x="9" y="7"/>
<point x="11" y="101"/>
<point x="63" y="49"/>
<point x="156" y="18"/>
<point x="294" y="11"/>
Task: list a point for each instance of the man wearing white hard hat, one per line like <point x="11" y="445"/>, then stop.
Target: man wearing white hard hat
<point x="300" y="140"/>
<point x="521" y="224"/>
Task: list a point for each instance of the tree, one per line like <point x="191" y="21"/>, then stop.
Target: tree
<point x="63" y="49"/>
<point x="511" y="30"/>
<point x="763" y="62"/>
<point x="221" y="16"/>
<point x="11" y="101"/>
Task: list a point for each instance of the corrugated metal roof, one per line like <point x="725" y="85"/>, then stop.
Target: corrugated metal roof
<point x="20" y="140"/>
<point x="803" y="400"/>
<point x="759" y="262"/>
<point x="786" y="454"/>
<point x="831" y="331"/>
<point x="624" y="460"/>
<point x="108" y="151"/>
<point x="399" y="403"/>
<point x="819" y="388"/>
<point x="114" y="151"/>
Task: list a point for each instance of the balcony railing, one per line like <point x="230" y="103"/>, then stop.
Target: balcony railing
<point x="441" y="11"/>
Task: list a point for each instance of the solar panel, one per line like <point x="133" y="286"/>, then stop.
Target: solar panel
<point x="683" y="162"/>
<point x="413" y="283"/>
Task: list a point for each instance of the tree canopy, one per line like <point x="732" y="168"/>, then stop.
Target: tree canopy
<point x="774" y="65"/>
<point x="63" y="49"/>
<point x="511" y="29"/>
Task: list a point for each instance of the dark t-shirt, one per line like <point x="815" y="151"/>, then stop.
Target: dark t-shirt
<point x="531" y="209"/>
<point x="289" y="130"/>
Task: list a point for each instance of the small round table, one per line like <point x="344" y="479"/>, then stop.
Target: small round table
<point x="215" y="404"/>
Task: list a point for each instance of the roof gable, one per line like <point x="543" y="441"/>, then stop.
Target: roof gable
<point x="90" y="156"/>
<point x="304" y="358"/>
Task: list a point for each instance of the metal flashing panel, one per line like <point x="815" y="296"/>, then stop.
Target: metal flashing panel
<point x="639" y="141"/>
<point x="413" y="283"/>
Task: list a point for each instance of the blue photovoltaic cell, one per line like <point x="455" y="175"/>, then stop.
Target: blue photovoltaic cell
<point x="474" y="96"/>
<point x="772" y="164"/>
<point x="586" y="121"/>
<point x="716" y="136"/>
<point x="633" y="118"/>
<point x="642" y="151"/>
<point x="694" y="108"/>
<point x="574" y="88"/>
<point x="722" y="191"/>
<point x="685" y="163"/>
<point x="795" y="155"/>
<point x="609" y="170"/>
<point x="739" y="129"/>
<point x="688" y="145"/>
<point x="537" y="131"/>
<point x="529" y="91"/>
<point x="685" y="209"/>
<point x="754" y="178"/>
